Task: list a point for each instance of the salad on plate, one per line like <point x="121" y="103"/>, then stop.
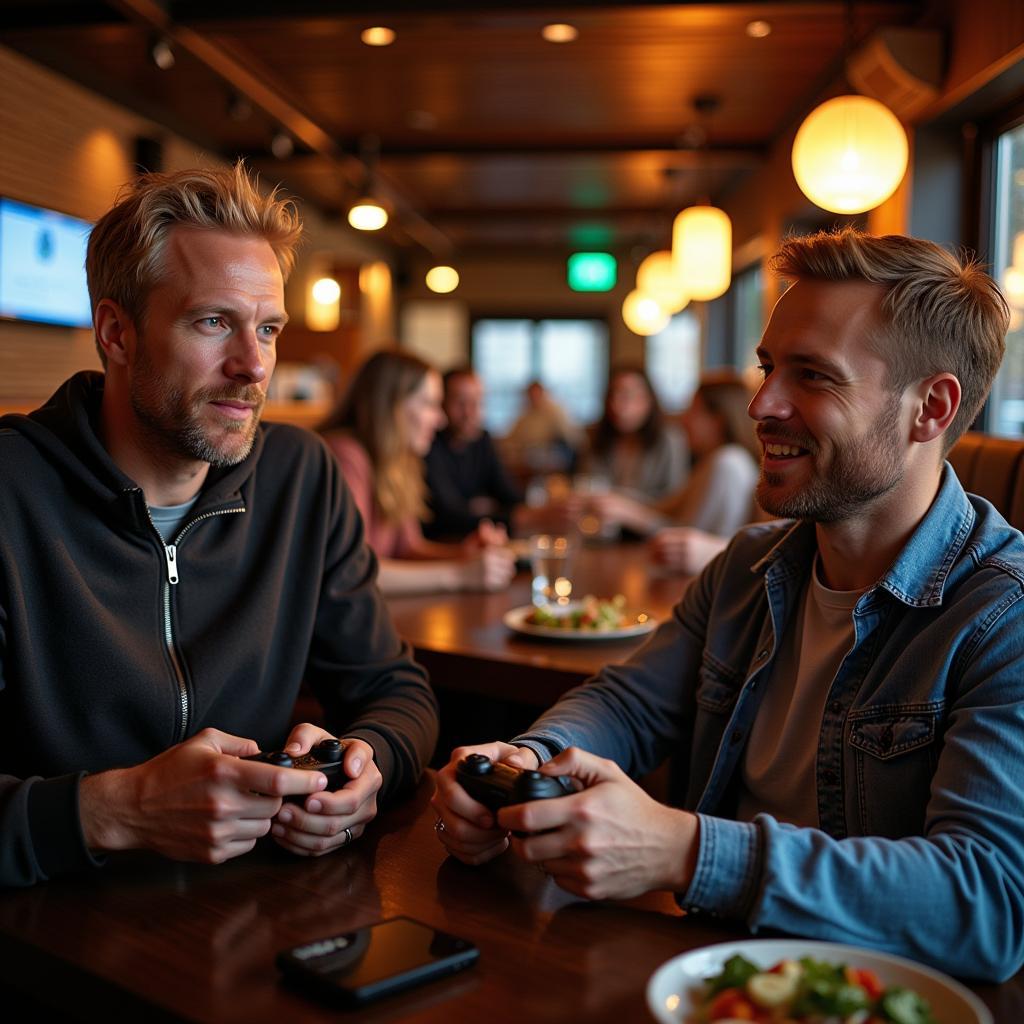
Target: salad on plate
<point x="806" y="991"/>
<point x="592" y="613"/>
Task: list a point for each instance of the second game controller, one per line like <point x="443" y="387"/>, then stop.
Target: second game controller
<point x="498" y="785"/>
<point x="325" y="756"/>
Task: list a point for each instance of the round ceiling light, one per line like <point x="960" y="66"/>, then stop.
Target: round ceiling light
<point x="442" y="279"/>
<point x="367" y="215"/>
<point x="326" y="291"/>
<point x="658" y="277"/>
<point x="642" y="314"/>
<point x="560" y="33"/>
<point x="378" y="35"/>
<point x="850" y="154"/>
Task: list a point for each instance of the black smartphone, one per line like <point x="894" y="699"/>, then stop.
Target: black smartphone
<point x="356" y="967"/>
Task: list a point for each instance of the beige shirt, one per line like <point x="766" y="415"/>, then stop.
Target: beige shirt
<point x="778" y="768"/>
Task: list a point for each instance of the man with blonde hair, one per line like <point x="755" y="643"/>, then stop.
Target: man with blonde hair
<point x="843" y="691"/>
<point x="171" y="569"/>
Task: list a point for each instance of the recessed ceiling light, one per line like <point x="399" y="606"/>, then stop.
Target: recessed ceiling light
<point x="378" y="36"/>
<point x="161" y="54"/>
<point x="559" y="33"/>
<point x="759" y="29"/>
<point x="282" y="145"/>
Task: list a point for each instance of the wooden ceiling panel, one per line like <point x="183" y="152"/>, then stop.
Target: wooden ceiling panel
<point x="483" y="129"/>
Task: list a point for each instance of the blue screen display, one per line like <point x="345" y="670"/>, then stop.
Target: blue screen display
<point x="42" y="265"/>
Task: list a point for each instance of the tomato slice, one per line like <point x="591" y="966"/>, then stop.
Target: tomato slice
<point x="731" y="1002"/>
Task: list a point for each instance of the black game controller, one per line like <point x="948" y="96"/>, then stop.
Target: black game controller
<point x="325" y="756"/>
<point x="497" y="785"/>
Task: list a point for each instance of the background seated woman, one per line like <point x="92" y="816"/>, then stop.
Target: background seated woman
<point x="380" y="432"/>
<point x="631" y="447"/>
<point x="691" y="526"/>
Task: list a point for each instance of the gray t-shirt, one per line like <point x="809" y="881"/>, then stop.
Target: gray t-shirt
<point x="167" y="518"/>
<point x="778" y="770"/>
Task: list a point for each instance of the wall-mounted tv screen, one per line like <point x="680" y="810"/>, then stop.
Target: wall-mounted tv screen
<point x="42" y="265"/>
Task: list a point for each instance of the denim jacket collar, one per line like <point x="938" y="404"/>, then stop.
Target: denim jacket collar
<point x="918" y="576"/>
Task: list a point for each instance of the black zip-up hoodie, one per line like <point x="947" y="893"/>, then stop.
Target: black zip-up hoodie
<point x="114" y="647"/>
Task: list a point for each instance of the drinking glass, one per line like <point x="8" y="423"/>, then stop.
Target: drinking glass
<point x="551" y="558"/>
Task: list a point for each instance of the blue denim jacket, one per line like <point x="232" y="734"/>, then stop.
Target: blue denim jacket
<point x="920" y="766"/>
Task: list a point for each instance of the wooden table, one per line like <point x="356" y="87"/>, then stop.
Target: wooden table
<point x="462" y="641"/>
<point x="174" y="942"/>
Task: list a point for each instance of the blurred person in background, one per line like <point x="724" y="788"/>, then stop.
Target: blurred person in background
<point x="380" y="433"/>
<point x="631" y="446"/>
<point x="690" y="527"/>
<point x="544" y="439"/>
<point x="466" y="480"/>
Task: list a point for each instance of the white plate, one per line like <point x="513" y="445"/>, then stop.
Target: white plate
<point x="674" y="989"/>
<point x="516" y="619"/>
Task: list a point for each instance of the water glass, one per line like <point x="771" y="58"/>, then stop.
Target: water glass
<point x="551" y="558"/>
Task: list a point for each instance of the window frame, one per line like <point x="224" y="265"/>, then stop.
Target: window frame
<point x="536" y="319"/>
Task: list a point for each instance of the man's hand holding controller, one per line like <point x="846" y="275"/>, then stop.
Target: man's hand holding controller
<point x="608" y="840"/>
<point x="211" y="797"/>
<point x="467" y="828"/>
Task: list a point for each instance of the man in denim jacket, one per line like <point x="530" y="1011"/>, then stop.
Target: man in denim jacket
<point x="843" y="693"/>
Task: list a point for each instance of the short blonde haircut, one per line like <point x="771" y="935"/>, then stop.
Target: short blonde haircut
<point x="369" y="412"/>
<point x="943" y="313"/>
<point x="126" y="247"/>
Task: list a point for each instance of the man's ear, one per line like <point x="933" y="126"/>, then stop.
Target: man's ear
<point x="937" y="400"/>
<point x="115" y="332"/>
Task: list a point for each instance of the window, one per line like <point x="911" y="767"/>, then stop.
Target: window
<point x="569" y="357"/>
<point x="672" y="361"/>
<point x="1006" y="415"/>
<point x="748" y="316"/>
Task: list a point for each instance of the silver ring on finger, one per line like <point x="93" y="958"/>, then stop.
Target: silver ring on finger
<point x="348" y="836"/>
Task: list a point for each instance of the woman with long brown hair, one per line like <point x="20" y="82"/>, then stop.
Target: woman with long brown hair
<point x="380" y="432"/>
<point x="631" y="446"/>
<point x="694" y="524"/>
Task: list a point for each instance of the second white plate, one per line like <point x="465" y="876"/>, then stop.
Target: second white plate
<point x="674" y="988"/>
<point x="516" y="619"/>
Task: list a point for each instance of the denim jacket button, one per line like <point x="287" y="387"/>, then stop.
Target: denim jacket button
<point x="737" y="735"/>
<point x="835" y="707"/>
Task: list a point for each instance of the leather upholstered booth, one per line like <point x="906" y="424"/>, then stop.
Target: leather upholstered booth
<point x="994" y="468"/>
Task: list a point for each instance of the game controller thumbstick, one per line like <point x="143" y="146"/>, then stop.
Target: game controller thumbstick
<point x="477" y="764"/>
<point x="329" y="751"/>
<point x="498" y="785"/>
<point x="326" y="757"/>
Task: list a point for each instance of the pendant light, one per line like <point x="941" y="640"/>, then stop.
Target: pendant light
<point x="702" y="234"/>
<point x="850" y="153"/>
<point x="366" y="214"/>
<point x="658" y="276"/>
<point x="642" y="314"/>
<point x="442" y="279"/>
<point x="702" y="250"/>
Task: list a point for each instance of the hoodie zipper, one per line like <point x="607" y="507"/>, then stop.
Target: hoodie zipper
<point x="171" y="558"/>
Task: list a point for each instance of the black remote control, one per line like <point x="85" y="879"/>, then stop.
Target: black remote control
<point x="498" y="785"/>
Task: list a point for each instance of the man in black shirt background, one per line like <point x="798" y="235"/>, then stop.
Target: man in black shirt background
<point x="465" y="477"/>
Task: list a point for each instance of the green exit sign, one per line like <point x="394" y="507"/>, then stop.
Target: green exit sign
<point x="592" y="271"/>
